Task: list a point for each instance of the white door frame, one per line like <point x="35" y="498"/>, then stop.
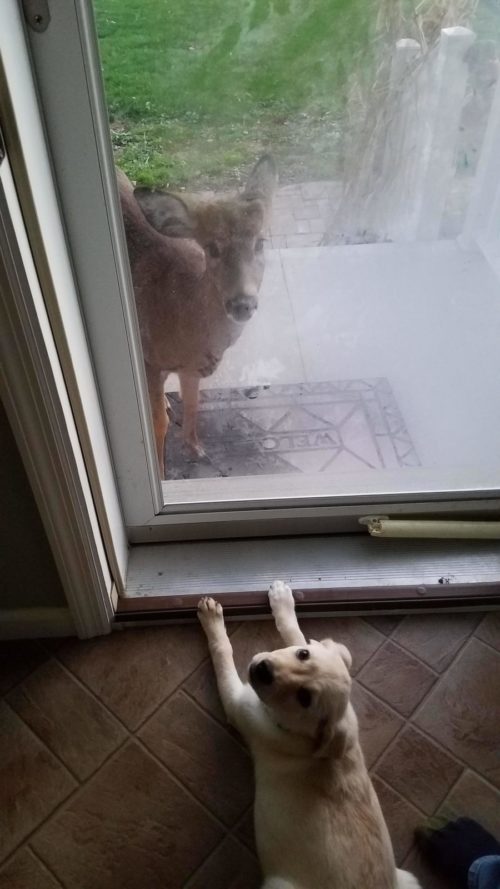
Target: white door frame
<point x="50" y="390"/>
<point x="48" y="383"/>
<point x="66" y="68"/>
<point x="482" y="223"/>
<point x="67" y="71"/>
<point x="38" y="407"/>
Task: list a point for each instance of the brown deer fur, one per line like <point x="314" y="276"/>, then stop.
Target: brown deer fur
<point x="197" y="267"/>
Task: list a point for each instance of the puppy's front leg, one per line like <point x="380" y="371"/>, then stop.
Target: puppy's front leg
<point x="231" y="688"/>
<point x="283" y="609"/>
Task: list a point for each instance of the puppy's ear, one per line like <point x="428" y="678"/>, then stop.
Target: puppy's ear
<point x="344" y="652"/>
<point x="331" y="739"/>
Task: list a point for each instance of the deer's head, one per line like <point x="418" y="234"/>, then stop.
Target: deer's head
<point x="230" y="230"/>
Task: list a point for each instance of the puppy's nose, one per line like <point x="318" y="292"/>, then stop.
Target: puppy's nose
<point x="261" y="673"/>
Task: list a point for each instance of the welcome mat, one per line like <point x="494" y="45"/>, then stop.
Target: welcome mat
<point x="328" y="427"/>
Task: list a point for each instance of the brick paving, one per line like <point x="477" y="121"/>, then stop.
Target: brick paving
<point x="301" y="213"/>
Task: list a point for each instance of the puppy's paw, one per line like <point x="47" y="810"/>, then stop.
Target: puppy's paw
<point x="281" y="597"/>
<point x="210" y="615"/>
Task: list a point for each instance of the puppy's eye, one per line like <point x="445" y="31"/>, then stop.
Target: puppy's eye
<point x="213" y="250"/>
<point x="303" y="654"/>
<point x="259" y="245"/>
<point x="304" y="697"/>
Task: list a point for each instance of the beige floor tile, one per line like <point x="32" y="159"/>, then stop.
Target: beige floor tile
<point x="203" y="755"/>
<point x="474" y="798"/>
<point x="138" y="824"/>
<point x="203" y="688"/>
<point x="24" y="871"/>
<point x="385" y="623"/>
<point x="132" y="672"/>
<point x="402" y="818"/>
<point x="397" y="678"/>
<point x="245" y="830"/>
<point x="17" y="660"/>
<point x="435" y="638"/>
<point x="489" y="629"/>
<point x="230" y="867"/>
<point x="419" y="770"/>
<point x="377" y="723"/>
<point x="67" y="718"/>
<point x="32" y="781"/>
<point x="131" y="827"/>
<point x="463" y="711"/>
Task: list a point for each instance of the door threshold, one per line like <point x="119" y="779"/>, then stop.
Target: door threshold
<point x="336" y="575"/>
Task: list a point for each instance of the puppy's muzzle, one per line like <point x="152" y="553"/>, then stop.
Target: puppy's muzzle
<point x="261" y="673"/>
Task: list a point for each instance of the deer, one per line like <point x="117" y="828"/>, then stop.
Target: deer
<point x="197" y="267"/>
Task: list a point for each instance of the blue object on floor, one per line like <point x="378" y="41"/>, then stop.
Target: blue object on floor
<point x="484" y="873"/>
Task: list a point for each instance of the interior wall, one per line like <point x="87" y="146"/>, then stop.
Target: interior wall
<point x="28" y="574"/>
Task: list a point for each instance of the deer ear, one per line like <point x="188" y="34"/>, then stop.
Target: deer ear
<point x="166" y="212"/>
<point x="262" y="180"/>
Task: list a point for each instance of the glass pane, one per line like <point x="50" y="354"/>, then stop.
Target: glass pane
<point x="311" y="218"/>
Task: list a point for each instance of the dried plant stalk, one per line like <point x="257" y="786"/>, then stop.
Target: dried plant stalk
<point x="370" y="103"/>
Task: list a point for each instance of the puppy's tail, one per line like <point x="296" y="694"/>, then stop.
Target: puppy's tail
<point x="405" y="880"/>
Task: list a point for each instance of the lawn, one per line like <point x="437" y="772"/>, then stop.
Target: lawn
<point x="197" y="89"/>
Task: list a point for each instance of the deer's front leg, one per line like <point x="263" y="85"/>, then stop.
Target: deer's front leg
<point x="231" y="689"/>
<point x="283" y="609"/>
<point x="190" y="391"/>
<point x="156" y="381"/>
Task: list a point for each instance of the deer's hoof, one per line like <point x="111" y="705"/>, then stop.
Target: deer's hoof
<point x="195" y="450"/>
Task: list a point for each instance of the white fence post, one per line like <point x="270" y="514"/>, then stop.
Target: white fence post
<point x="400" y="190"/>
<point x="483" y="215"/>
<point x="394" y="192"/>
<point x="406" y="53"/>
<point x="445" y="83"/>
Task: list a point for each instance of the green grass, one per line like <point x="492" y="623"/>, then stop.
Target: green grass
<point x="197" y="89"/>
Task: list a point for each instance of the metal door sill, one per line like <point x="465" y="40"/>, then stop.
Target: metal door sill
<point x="342" y="574"/>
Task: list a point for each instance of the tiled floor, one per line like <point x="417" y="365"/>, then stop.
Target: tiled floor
<point x="117" y="768"/>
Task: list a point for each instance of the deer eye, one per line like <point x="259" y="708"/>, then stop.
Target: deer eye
<point x="304" y="697"/>
<point x="213" y="250"/>
<point x="303" y="654"/>
<point x="259" y="245"/>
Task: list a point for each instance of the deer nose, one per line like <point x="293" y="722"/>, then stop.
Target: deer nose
<point x="242" y="306"/>
<point x="261" y="673"/>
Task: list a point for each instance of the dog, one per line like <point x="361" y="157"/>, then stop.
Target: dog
<point x="197" y="266"/>
<point x="318" y="822"/>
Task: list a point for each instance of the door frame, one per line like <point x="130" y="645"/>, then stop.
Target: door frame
<point x="85" y="486"/>
<point x="40" y="414"/>
<point x="67" y="71"/>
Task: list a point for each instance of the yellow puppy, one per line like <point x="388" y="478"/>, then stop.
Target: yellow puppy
<point x="318" y="822"/>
